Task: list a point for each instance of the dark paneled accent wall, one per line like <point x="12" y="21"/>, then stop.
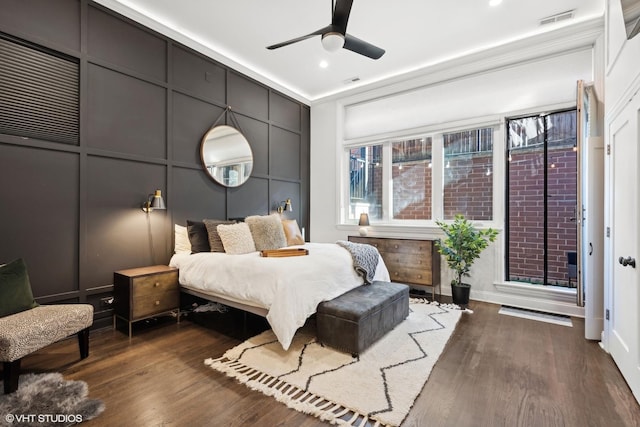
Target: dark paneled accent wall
<point x="73" y="212"/>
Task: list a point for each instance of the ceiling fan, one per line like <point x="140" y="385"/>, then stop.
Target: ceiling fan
<point x="334" y="35"/>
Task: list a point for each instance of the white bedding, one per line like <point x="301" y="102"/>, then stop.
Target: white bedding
<point x="290" y="288"/>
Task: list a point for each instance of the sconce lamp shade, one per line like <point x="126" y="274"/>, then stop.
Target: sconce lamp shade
<point x="364" y="220"/>
<point x="155" y="201"/>
<point x="285" y="205"/>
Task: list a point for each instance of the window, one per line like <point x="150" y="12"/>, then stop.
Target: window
<point x="468" y="174"/>
<point x="411" y="177"/>
<point x="39" y="94"/>
<point x="365" y="181"/>
<point x="542" y="199"/>
<point x="422" y="178"/>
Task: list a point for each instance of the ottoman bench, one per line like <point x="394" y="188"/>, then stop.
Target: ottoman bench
<point x="355" y="320"/>
<point x="30" y="330"/>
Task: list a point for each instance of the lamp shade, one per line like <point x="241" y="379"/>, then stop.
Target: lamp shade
<point x="332" y="41"/>
<point x="157" y="202"/>
<point x="364" y="219"/>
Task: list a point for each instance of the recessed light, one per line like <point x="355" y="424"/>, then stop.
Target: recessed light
<point x="324" y="64"/>
<point x="494" y="3"/>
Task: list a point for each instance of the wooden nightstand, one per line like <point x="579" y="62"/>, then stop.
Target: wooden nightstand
<point x="141" y="293"/>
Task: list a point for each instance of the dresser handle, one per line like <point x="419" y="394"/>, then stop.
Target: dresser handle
<point x="157" y="302"/>
<point x="156" y="284"/>
<point x="419" y="276"/>
<point x="395" y="274"/>
<point x="395" y="246"/>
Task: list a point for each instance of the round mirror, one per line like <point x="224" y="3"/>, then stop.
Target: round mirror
<point x="226" y="156"/>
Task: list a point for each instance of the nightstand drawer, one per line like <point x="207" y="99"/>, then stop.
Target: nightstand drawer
<point x="159" y="302"/>
<point x="154" y="284"/>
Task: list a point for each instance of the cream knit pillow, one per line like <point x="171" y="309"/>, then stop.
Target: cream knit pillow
<point x="236" y="238"/>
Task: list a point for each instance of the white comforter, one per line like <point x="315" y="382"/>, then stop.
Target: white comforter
<point x="290" y="288"/>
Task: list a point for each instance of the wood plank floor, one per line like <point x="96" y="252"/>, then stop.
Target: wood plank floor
<point x="495" y="371"/>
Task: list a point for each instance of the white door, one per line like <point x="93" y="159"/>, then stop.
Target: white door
<point x="623" y="300"/>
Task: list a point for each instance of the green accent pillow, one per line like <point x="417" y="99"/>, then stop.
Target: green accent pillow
<point x="15" y="289"/>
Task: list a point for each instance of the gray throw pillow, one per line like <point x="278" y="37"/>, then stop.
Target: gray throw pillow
<point x="215" y="243"/>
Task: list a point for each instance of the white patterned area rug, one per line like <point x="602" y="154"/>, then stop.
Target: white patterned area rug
<point x="377" y="388"/>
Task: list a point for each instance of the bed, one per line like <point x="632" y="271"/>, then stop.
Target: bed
<point x="285" y="290"/>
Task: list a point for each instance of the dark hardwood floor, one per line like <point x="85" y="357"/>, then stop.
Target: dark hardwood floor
<point x="495" y="371"/>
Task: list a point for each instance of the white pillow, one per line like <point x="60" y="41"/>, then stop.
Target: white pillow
<point x="182" y="243"/>
<point x="236" y="238"/>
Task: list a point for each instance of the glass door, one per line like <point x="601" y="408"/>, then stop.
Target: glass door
<point x="542" y="179"/>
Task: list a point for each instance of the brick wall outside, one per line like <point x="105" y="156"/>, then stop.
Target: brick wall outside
<point x="526" y="215"/>
<point x="468" y="186"/>
<point x="412" y="190"/>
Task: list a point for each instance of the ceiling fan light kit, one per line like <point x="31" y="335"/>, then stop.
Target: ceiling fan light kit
<point x="332" y="42"/>
<point x="335" y="37"/>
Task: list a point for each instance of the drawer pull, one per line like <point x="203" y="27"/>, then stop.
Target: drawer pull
<point x="395" y="246"/>
<point x="395" y="274"/>
<point x="157" y="302"/>
<point x="419" y="276"/>
<point x="156" y="284"/>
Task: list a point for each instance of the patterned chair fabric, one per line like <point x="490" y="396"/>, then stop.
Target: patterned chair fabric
<point x="25" y="332"/>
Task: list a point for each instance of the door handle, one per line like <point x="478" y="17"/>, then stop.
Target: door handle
<point x="590" y="248"/>
<point x="627" y="261"/>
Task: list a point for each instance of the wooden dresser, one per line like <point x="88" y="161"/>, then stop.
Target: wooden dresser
<point x="414" y="262"/>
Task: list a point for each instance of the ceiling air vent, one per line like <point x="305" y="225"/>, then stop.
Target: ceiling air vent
<point x="351" y="80"/>
<point x="562" y="16"/>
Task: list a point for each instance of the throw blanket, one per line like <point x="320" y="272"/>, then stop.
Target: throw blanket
<point x="365" y="258"/>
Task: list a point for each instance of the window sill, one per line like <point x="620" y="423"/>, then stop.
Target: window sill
<point x="553" y="299"/>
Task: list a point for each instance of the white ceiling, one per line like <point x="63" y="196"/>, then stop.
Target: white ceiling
<point x="415" y="34"/>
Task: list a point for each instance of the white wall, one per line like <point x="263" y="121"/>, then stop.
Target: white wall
<point x="538" y="80"/>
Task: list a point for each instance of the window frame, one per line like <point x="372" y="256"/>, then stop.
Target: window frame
<point x="436" y="133"/>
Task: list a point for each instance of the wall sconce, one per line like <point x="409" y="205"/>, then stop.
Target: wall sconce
<point x="364" y="223"/>
<point x="154" y="201"/>
<point x="285" y="205"/>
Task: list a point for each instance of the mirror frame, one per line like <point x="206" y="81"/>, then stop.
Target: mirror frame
<point x="245" y="167"/>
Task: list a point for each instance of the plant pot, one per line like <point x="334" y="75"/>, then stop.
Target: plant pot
<point x="460" y="293"/>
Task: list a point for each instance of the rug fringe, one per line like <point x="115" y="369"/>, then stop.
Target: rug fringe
<point x="292" y="396"/>
<point x="450" y="306"/>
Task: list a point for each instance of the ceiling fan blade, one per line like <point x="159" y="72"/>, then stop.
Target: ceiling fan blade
<point x="341" y="15"/>
<point x="362" y="47"/>
<point x="299" y="39"/>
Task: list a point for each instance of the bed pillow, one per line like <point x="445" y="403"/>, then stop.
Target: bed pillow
<point x="181" y="236"/>
<point x="15" y="289"/>
<point x="198" y="236"/>
<point x="292" y="232"/>
<point x="212" y="231"/>
<point x="236" y="238"/>
<point x="267" y="231"/>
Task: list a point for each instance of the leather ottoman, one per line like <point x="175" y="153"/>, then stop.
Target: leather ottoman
<point x="355" y="320"/>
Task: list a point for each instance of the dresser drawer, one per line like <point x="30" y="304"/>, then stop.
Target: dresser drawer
<point x="402" y="273"/>
<point x="157" y="283"/>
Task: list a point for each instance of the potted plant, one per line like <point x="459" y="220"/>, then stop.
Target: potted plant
<point x="461" y="246"/>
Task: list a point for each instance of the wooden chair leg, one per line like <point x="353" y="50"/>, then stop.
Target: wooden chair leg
<point x="83" y="343"/>
<point x="10" y="373"/>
